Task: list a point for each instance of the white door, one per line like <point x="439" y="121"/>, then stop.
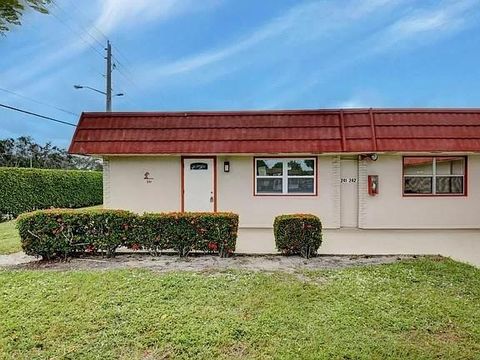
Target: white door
<point x="348" y="193"/>
<point x="199" y="185"/>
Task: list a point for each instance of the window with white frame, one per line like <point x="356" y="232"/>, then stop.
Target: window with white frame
<point x="434" y="175"/>
<point x="288" y="176"/>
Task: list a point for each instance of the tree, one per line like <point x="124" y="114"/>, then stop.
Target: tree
<point x="24" y="152"/>
<point x="11" y="11"/>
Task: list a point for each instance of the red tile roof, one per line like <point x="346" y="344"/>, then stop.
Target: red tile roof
<point x="268" y="132"/>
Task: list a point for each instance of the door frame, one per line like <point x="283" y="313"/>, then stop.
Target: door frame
<point x="182" y="170"/>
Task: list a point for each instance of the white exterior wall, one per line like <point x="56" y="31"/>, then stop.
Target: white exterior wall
<point x="126" y="188"/>
<point x="235" y="192"/>
<point x="463" y="245"/>
<point x="391" y="210"/>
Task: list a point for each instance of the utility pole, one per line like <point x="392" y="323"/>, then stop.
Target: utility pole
<point x="108" y="89"/>
<point x="109" y="77"/>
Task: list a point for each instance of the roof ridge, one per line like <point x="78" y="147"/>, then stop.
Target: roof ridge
<point x="286" y="112"/>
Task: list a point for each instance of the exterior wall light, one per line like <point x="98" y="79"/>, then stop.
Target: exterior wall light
<point x="226" y="166"/>
<point x="372" y="156"/>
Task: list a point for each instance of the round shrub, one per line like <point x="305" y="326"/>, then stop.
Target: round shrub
<point x="298" y="234"/>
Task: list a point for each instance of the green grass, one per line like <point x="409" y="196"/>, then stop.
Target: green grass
<point x="425" y="309"/>
<point x="9" y="238"/>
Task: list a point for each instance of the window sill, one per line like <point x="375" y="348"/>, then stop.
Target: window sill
<point x="286" y="195"/>
<point x="433" y="195"/>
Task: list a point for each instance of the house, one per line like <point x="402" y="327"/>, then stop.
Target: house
<point x="383" y="181"/>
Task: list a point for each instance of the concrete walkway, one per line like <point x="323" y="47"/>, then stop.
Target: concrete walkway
<point x="16" y="259"/>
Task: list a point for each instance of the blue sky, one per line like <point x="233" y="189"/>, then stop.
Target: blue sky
<point x="239" y="54"/>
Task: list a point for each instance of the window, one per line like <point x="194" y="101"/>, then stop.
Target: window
<point x="290" y="176"/>
<point x="434" y="175"/>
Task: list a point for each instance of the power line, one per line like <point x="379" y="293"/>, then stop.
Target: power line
<point x="38" y="102"/>
<point x="80" y="26"/>
<point x="80" y="37"/>
<point x="127" y="77"/>
<point x="92" y="26"/>
<point x="126" y="73"/>
<point x="121" y="54"/>
<point x="89" y="20"/>
<point x="78" y="33"/>
<point x="81" y="30"/>
<point x="37" y="115"/>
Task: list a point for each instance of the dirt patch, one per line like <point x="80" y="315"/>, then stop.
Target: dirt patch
<point x="209" y="263"/>
<point x="448" y="334"/>
<point x="239" y="350"/>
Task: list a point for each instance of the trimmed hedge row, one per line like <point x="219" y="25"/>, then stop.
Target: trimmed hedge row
<point x="184" y="232"/>
<point x="31" y="189"/>
<point x="67" y="233"/>
<point x="298" y="234"/>
<point x="63" y="233"/>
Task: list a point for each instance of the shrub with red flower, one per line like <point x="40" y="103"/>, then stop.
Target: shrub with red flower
<point x="64" y="233"/>
<point x="212" y="246"/>
<point x="136" y="247"/>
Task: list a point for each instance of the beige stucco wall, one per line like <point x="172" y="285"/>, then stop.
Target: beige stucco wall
<point x="236" y="193"/>
<point x="391" y="210"/>
<point x="126" y="188"/>
<point x="462" y="245"/>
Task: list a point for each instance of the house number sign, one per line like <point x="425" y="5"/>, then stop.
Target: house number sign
<point x="348" y="180"/>
<point x="148" y="179"/>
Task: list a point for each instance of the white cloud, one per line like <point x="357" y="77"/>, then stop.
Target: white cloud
<point x="302" y="23"/>
<point x="410" y="30"/>
<point x="362" y="98"/>
<point x="128" y="13"/>
<point x="352" y="104"/>
<point x="425" y="25"/>
<point x="194" y="62"/>
<point x="74" y="40"/>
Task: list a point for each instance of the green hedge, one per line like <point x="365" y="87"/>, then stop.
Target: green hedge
<point x="298" y="234"/>
<point x="66" y="233"/>
<point x="31" y="189"/>
<point x="63" y="233"/>
<point x="184" y="232"/>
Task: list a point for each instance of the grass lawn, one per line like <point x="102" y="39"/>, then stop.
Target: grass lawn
<point x="423" y="309"/>
<point x="9" y="238"/>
